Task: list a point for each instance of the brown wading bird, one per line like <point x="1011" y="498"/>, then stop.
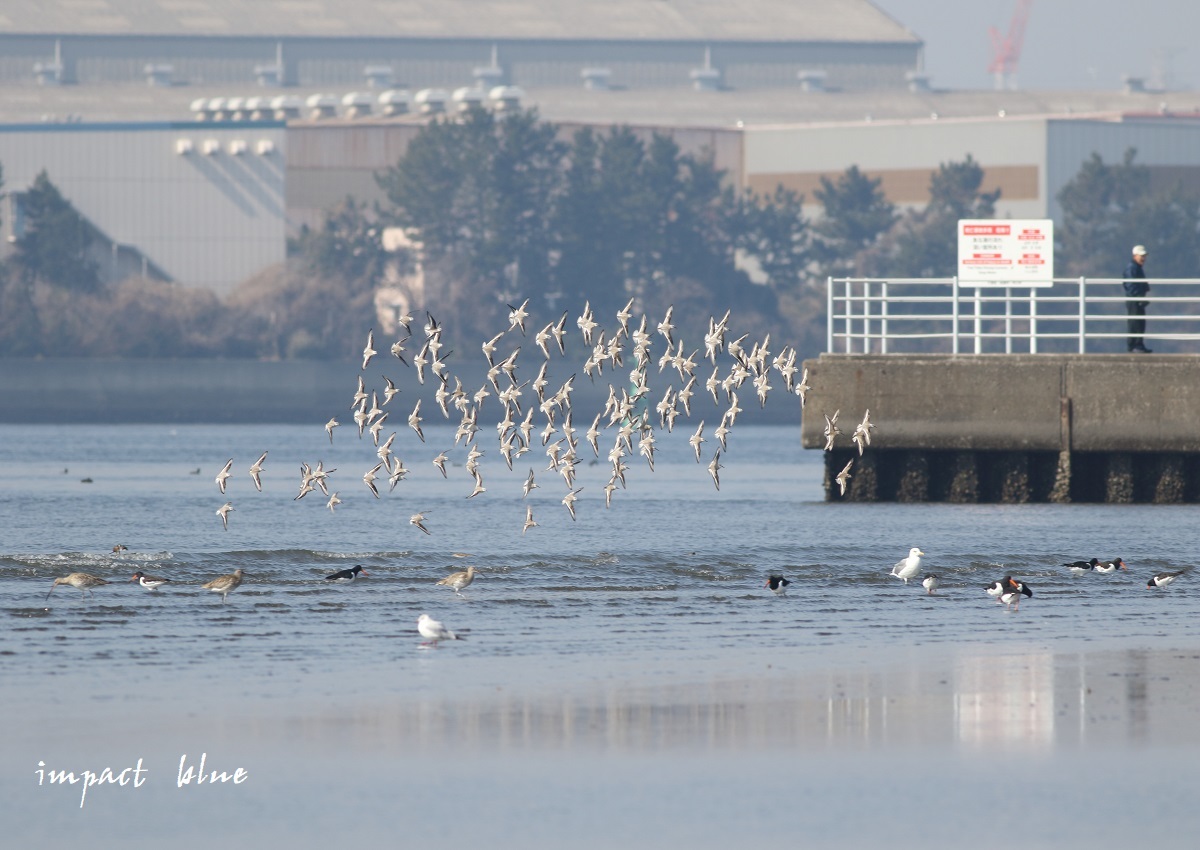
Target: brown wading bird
<point x="458" y="581"/>
<point x="225" y="585"/>
<point x="82" y="582"/>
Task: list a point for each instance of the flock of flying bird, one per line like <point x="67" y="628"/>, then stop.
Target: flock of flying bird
<point x="532" y="409"/>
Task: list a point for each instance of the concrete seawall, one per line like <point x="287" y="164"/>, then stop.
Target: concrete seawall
<point x="1011" y="428"/>
<point x="294" y="391"/>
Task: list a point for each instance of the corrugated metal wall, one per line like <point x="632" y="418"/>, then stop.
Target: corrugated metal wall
<point x="210" y="220"/>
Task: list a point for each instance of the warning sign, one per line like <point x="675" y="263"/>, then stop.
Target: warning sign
<point x="1006" y="252"/>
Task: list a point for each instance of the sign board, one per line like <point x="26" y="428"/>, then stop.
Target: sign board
<point x="1006" y="252"/>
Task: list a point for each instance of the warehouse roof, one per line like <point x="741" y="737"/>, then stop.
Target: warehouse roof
<point x="622" y="20"/>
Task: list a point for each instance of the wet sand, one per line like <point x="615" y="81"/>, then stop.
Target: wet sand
<point x="915" y="748"/>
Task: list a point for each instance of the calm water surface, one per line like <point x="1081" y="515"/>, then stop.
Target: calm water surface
<point x="625" y="677"/>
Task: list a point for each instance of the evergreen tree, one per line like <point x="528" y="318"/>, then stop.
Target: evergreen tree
<point x="54" y="247"/>
<point x="856" y="214"/>
<point x="926" y="243"/>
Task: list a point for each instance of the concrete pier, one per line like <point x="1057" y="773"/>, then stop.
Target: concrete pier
<point x="1011" y="428"/>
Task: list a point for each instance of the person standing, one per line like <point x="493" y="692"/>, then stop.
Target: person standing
<point x="1136" y="288"/>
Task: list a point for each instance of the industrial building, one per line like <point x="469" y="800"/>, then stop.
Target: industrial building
<point x="197" y="135"/>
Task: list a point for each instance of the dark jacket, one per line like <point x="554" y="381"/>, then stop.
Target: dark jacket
<point x="1135" y="280"/>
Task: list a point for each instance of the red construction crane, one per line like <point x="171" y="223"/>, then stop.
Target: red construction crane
<point x="1006" y="49"/>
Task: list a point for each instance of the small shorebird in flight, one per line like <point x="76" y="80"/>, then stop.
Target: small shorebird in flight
<point x="223" y="475"/>
<point x="529" y="523"/>
<point x="843" y="477"/>
<point x="223" y="513"/>
<point x="369" y="351"/>
<point x="255" y="469"/>
<point x="418" y="519"/>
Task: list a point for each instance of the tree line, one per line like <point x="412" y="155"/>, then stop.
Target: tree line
<point x="503" y="208"/>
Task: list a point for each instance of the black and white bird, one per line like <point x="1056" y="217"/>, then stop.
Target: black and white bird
<point x="1009" y="591"/>
<point x="1081" y="567"/>
<point x="1107" y="567"/>
<point x="347" y="576"/>
<point x="777" y="583"/>
<point x="930" y="583"/>
<point x="149" y="582"/>
<point x="1163" y="579"/>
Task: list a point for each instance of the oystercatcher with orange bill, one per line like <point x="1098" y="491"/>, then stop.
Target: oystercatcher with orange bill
<point x="347" y="576"/>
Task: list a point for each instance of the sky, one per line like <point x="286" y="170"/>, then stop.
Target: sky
<point x="1069" y="44"/>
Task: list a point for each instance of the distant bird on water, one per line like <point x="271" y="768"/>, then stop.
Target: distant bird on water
<point x="1163" y="579"/>
<point x="1081" y="567"/>
<point x="119" y="548"/>
<point x="777" y="583"/>
<point x="930" y="583"/>
<point x="225" y="585"/>
<point x="909" y="567"/>
<point x="82" y="582"/>
<point x="347" y="576"/>
<point x="1107" y="567"/>
<point x="1012" y="591"/>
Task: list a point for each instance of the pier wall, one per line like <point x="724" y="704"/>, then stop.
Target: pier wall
<point x="1011" y="428"/>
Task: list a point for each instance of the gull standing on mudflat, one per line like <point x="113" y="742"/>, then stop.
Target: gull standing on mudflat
<point x="909" y="567"/>
<point x="223" y="513"/>
<point x="83" y="582"/>
<point x="225" y="585"/>
<point x="433" y="630"/>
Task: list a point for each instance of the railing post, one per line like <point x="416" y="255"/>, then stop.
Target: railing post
<point x="1082" y="314"/>
<point x="883" y="317"/>
<point x="954" y="295"/>
<point x="866" y="341"/>
<point x="1033" y="346"/>
<point x="978" y="319"/>
<point x="1008" y="320"/>
<point x="849" y="317"/>
<point x="829" y="313"/>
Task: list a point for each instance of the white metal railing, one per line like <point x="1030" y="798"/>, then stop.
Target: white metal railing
<point x="930" y="315"/>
